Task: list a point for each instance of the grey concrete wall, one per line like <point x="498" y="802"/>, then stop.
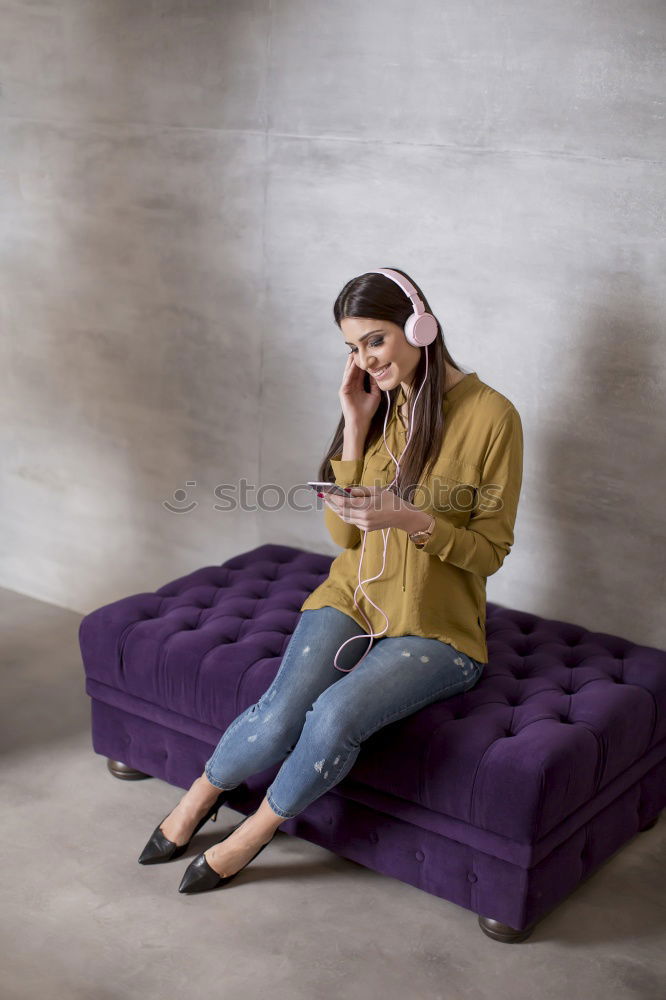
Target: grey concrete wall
<point x="185" y="188"/>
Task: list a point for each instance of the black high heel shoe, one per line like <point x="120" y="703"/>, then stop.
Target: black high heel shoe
<point x="159" y="848"/>
<point x="199" y="876"/>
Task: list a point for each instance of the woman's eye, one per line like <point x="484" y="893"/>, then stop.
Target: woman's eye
<point x="374" y="343"/>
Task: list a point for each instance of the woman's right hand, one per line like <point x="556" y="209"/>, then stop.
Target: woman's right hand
<point x="358" y="406"/>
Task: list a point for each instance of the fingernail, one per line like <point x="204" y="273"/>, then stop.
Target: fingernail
<point x="320" y="494"/>
<point x="347" y="489"/>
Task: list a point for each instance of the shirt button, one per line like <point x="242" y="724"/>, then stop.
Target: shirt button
<point x="471" y="877"/>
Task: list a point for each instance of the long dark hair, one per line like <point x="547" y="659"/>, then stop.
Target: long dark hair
<point x="374" y="296"/>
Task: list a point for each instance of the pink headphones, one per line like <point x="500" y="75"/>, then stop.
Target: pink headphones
<point x="420" y="330"/>
<point x="421" y="327"/>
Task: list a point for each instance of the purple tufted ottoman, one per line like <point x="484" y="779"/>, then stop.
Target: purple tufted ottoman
<point x="502" y="799"/>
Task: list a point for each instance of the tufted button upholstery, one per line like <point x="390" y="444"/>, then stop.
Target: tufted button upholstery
<point x="559" y="713"/>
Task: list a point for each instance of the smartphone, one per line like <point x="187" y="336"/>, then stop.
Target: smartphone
<point x="328" y="488"/>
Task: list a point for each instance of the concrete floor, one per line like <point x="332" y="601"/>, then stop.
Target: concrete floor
<point x="81" y="919"/>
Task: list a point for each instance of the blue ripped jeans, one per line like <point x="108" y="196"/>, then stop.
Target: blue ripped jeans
<point x="314" y="718"/>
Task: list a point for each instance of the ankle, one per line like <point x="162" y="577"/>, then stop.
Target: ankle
<point x="211" y="791"/>
<point x="202" y="794"/>
<point x="265" y="819"/>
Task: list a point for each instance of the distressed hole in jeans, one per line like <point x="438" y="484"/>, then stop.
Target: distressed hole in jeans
<point x="405" y="652"/>
<point x="319" y="764"/>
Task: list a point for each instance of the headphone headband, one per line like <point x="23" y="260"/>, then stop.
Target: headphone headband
<point x="406" y="286"/>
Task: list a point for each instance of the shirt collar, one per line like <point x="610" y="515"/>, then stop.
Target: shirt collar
<point x="470" y="381"/>
<point x="459" y="389"/>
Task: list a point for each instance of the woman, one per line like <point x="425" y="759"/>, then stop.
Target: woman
<point x="459" y="449"/>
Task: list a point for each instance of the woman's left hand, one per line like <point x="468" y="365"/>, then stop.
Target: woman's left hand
<point x="370" y="507"/>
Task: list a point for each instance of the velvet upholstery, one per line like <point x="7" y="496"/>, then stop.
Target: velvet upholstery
<point x="502" y="799"/>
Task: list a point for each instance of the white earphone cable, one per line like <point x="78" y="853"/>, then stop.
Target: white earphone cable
<point x="376" y="635"/>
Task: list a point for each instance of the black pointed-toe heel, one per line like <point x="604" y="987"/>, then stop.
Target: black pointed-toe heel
<point x="159" y="848"/>
<point x="199" y="876"/>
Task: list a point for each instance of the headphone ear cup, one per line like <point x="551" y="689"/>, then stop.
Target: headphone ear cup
<point x="421" y="330"/>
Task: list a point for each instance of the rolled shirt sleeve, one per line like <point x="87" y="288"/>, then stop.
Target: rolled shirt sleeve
<point x="345" y="473"/>
<point x="483" y="545"/>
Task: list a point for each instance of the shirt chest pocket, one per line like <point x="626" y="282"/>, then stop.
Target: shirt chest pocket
<point x="453" y="490"/>
<point x="378" y="470"/>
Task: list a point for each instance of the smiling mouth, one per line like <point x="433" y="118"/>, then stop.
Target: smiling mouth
<point x="380" y="372"/>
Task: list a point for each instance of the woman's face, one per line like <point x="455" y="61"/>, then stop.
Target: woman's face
<point x="378" y="345"/>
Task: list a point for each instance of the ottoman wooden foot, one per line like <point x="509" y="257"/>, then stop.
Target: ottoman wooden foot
<point x="502" y="932"/>
<point x="124" y="771"/>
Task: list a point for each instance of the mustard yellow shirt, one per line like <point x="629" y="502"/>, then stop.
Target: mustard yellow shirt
<point x="438" y="592"/>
